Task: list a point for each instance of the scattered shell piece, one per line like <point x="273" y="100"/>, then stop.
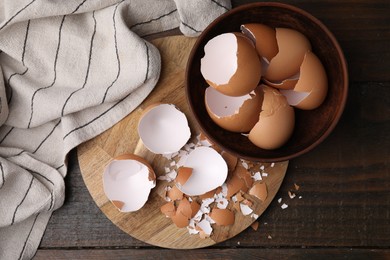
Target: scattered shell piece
<point x="168" y="209"/>
<point x="175" y="193"/>
<point x="257" y="176"/>
<point x="296" y="186"/>
<point x="272" y="165"/>
<point x="222" y="203"/>
<point x="255" y="225"/>
<point x="300" y="197"/>
<point x="204" y="229"/>
<point x="222" y="217"/>
<point x="284" y="206"/>
<point x="269" y="237"/>
<point x="264" y="174"/>
<point x="259" y="190"/>
<point x="245" y="209"/>
<point x="291" y="195"/>
<point x="255" y="216"/>
<point x="279" y="200"/>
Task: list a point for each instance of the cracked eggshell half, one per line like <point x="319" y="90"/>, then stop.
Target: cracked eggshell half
<point x="264" y="38"/>
<point x="292" y="46"/>
<point x="209" y="171"/>
<point x="231" y="64"/>
<point x="312" y="86"/>
<point x="236" y="114"/>
<point x="276" y="121"/>
<point x="163" y="129"/>
<point x="127" y="182"/>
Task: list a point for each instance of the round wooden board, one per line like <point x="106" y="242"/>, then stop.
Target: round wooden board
<point x="149" y="224"/>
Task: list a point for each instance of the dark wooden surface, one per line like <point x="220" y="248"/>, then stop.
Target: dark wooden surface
<point x="344" y="211"/>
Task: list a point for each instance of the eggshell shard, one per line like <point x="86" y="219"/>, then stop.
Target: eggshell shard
<point x="168" y="209"/>
<point x="264" y="38"/>
<point x="259" y="190"/>
<point x="127" y="182"/>
<point x="292" y="47"/>
<point x="222" y="217"/>
<point x="276" y="121"/>
<point x="236" y="114"/>
<point x="312" y="86"/>
<point x="231" y="64"/>
<point x="163" y="129"/>
<point x="183" y="174"/>
<point x="209" y="171"/>
<point x="175" y="194"/>
<point x="284" y="84"/>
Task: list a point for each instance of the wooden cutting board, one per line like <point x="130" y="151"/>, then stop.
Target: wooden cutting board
<point x="149" y="224"/>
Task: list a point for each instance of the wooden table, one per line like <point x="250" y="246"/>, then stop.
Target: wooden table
<point x="344" y="209"/>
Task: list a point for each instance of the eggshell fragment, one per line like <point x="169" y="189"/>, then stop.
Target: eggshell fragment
<point x="292" y="47"/>
<point x="230" y="159"/>
<point x="312" y="86"/>
<point x="276" y="121"/>
<point x="204" y="229"/>
<point x="209" y="171"/>
<point x="264" y="38"/>
<point x="127" y="182"/>
<point x="231" y="64"/>
<point x="168" y="209"/>
<point x="222" y="217"/>
<point x="163" y="129"/>
<point x="183" y="174"/>
<point x="236" y="114"/>
<point x="175" y="194"/>
<point x="259" y="190"/>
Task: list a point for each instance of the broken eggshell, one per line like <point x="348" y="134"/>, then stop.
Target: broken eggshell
<point x="209" y="171"/>
<point x="231" y="64"/>
<point x="264" y="38"/>
<point x="311" y="88"/>
<point x="292" y="46"/>
<point x="127" y="182"/>
<point x="163" y="129"/>
<point x="236" y="114"/>
<point x="276" y="121"/>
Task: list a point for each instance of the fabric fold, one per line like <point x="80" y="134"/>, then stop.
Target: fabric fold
<point x="70" y="70"/>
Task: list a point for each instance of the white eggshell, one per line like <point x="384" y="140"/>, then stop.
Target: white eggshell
<point x="127" y="181"/>
<point x="164" y="129"/>
<point x="209" y="171"/>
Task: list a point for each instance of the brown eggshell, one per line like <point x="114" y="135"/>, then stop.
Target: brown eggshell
<point x="248" y="73"/>
<point x="180" y="220"/>
<point x="313" y="79"/>
<point x="185" y="208"/>
<point x="183" y="174"/>
<point x="222" y="217"/>
<point x="245" y="175"/>
<point x="235" y="184"/>
<point x="175" y="194"/>
<point x="259" y="190"/>
<point x="194" y="208"/>
<point x="168" y="209"/>
<point x="241" y="121"/>
<point x="276" y="121"/>
<point x="264" y="38"/>
<point x="292" y="48"/>
<point x="152" y="175"/>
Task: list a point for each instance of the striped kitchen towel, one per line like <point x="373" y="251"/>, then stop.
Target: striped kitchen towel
<point x="69" y="70"/>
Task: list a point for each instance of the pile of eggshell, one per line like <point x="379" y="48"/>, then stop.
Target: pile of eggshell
<point x="208" y="184"/>
<point x="256" y="77"/>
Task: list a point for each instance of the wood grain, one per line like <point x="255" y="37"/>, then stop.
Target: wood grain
<point x="149" y="224"/>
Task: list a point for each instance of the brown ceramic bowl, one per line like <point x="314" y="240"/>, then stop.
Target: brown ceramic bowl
<point x="311" y="127"/>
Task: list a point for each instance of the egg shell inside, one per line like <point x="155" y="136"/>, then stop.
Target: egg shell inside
<point x="127" y="182"/>
<point x="231" y="64"/>
<point x="292" y="46"/>
<point x="209" y="171"/>
<point x="276" y="121"/>
<point x="236" y="114"/>
<point x="163" y="129"/>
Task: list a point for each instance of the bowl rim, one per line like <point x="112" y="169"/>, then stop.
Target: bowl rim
<point x="336" y="45"/>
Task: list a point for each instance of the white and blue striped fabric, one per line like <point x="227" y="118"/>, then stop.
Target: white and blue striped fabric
<point x="69" y="70"/>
